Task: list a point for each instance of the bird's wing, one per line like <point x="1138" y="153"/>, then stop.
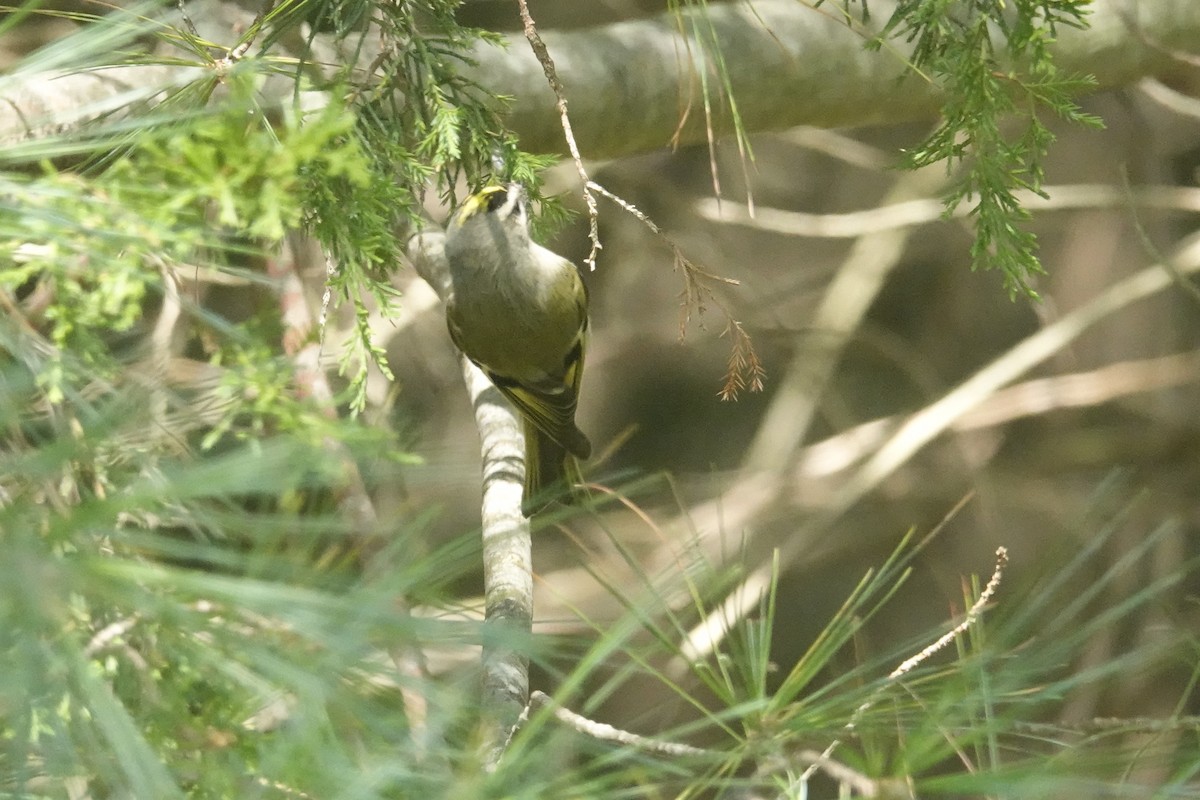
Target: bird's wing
<point x="550" y="405"/>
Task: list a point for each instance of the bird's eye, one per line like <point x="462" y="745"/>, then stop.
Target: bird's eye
<point x="497" y="199"/>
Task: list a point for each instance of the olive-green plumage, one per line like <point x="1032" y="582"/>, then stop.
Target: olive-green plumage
<point x="519" y="311"/>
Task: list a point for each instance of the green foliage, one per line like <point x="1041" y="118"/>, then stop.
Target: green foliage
<point x="991" y="59"/>
<point x="186" y="193"/>
<point x="145" y="659"/>
<point x="66" y="236"/>
<point x="245" y="174"/>
<point x="184" y="604"/>
<point x="426" y="121"/>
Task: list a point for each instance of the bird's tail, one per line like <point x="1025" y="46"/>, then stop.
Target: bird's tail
<point x="551" y="473"/>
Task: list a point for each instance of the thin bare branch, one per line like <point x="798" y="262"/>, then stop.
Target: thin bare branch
<point x="746" y="370"/>
<point x="909" y="664"/>
<point x="560" y="101"/>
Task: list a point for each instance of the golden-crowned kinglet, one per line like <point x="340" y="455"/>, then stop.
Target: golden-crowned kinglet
<point x="519" y="312"/>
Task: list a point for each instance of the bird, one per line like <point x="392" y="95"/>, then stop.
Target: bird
<point x="520" y="312"/>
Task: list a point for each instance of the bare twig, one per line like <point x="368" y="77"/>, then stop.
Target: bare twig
<point x="985" y="597"/>
<point x="746" y="370"/>
<point x="560" y="102"/>
<point x="1092" y="727"/>
<point x="607" y="733"/>
<point x="326" y="298"/>
<point x="667" y="749"/>
<point x="848" y="778"/>
<point x="108" y="634"/>
<point x="909" y="664"/>
<point x="255" y="28"/>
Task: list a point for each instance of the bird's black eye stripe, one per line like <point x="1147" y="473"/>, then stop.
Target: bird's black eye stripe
<point x="497" y="199"/>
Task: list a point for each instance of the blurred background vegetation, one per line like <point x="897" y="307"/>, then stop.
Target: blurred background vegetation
<point x="239" y="485"/>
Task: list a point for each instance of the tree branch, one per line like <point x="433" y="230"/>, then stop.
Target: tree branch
<point x="630" y="83"/>
<point x="507" y="548"/>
